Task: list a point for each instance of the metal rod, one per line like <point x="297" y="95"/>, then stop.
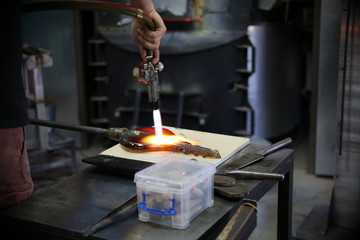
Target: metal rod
<point x="276" y="146"/>
<point x="256" y="175"/>
<point x="344" y="76"/>
<point x="86" y="129"/>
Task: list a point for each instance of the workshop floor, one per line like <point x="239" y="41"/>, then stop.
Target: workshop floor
<point x="309" y="190"/>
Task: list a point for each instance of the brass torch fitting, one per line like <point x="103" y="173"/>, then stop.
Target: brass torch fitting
<point x="115" y="133"/>
<point x="140" y="13"/>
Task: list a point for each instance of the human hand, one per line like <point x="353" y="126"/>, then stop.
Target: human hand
<point x="145" y="38"/>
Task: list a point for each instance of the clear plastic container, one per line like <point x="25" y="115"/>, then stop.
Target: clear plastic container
<point x="174" y="192"/>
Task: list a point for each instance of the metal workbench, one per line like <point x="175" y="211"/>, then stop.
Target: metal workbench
<point x="66" y="209"/>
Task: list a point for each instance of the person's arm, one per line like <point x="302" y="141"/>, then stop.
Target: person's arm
<point x="143" y="37"/>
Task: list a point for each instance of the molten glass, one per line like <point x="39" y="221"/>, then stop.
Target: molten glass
<point x="164" y="139"/>
<point x="145" y="140"/>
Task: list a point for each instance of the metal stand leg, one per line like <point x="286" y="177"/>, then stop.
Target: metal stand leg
<point x="74" y="166"/>
<point x="285" y="199"/>
<point x="35" y="82"/>
<point x="136" y="112"/>
<point x="180" y="109"/>
<point x="33" y="62"/>
<point x="241" y="224"/>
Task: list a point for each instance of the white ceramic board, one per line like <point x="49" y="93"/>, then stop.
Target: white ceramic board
<point x="226" y="145"/>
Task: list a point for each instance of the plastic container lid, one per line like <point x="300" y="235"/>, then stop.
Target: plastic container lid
<point x="176" y="174"/>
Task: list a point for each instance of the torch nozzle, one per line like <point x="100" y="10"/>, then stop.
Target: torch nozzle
<point x="152" y="78"/>
<point x="154" y="94"/>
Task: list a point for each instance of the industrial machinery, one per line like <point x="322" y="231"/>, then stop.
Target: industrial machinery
<point x="193" y="89"/>
<point x="216" y="67"/>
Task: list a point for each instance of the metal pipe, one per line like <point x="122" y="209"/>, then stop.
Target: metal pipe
<point x="116" y="8"/>
<point x="89" y="5"/>
<point x="85" y="129"/>
<point x="112" y="133"/>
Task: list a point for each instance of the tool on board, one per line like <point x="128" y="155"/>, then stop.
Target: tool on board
<point x="228" y="178"/>
<point x="225" y="182"/>
<point x="251" y="158"/>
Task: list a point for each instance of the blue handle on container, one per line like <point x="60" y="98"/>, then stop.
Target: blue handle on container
<point x="171" y="211"/>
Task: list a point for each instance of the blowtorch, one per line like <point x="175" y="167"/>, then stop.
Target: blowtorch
<point x="147" y="73"/>
<point x="152" y="79"/>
